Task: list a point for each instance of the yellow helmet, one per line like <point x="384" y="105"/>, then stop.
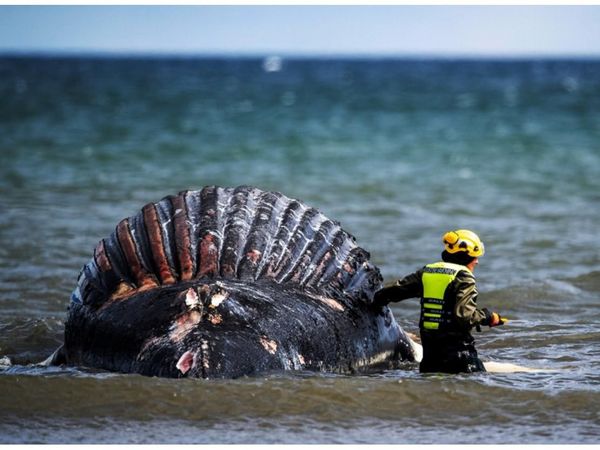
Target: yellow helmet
<point x="463" y="241"/>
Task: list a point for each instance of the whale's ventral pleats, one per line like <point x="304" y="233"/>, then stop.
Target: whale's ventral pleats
<point x="241" y="233"/>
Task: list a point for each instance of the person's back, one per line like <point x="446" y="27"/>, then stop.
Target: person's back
<point x="449" y="310"/>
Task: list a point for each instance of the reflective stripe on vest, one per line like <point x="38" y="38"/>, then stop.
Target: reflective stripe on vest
<point x="436" y="279"/>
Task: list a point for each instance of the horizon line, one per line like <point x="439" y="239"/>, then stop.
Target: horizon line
<point x="290" y="55"/>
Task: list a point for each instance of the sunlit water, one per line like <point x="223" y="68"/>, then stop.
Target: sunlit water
<point x="397" y="151"/>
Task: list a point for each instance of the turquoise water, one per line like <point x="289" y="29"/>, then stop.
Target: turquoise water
<point x="399" y="151"/>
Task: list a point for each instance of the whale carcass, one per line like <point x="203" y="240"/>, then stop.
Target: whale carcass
<point x="227" y="282"/>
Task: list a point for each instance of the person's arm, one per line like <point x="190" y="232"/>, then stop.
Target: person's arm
<point x="408" y="287"/>
<point x="465" y="310"/>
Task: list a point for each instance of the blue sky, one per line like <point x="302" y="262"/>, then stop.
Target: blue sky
<point x="305" y="30"/>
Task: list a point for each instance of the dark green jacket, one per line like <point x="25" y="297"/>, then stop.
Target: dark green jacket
<point x="466" y="314"/>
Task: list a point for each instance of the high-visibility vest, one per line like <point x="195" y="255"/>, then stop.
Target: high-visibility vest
<point x="437" y="308"/>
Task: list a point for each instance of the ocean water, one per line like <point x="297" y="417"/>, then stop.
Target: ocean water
<point x="398" y="151"/>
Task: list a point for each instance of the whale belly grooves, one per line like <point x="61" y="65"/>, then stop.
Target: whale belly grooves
<point x="228" y="282"/>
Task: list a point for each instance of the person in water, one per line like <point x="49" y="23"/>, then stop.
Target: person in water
<point x="448" y="305"/>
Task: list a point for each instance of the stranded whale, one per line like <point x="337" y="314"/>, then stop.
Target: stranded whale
<point x="227" y="282"/>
